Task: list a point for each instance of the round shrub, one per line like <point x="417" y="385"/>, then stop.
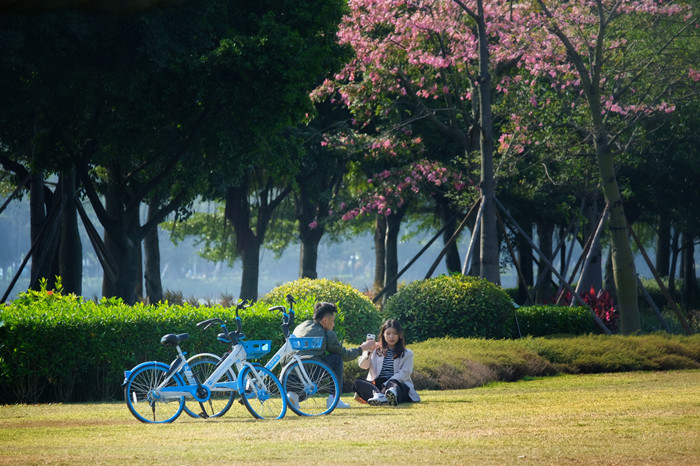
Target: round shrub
<point x="357" y="315"/>
<point x="452" y="305"/>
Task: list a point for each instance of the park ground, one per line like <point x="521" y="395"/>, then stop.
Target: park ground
<point x="622" y="418"/>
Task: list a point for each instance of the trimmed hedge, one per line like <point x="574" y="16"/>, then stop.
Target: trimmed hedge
<point x="357" y="315"/>
<point x="64" y="348"/>
<point x="542" y="320"/>
<point x="454" y="306"/>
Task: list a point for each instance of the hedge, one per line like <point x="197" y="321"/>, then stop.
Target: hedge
<point x="63" y="348"/>
<point x="543" y="320"/>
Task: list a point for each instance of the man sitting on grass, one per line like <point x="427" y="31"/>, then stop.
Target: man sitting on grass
<point x="331" y="351"/>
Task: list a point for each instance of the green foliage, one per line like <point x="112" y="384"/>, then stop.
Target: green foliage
<point x="63" y="348"/>
<point x="541" y="320"/>
<point x="452" y="305"/>
<point x="357" y="315"/>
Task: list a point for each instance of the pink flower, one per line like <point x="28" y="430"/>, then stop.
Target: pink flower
<point x="313" y="225"/>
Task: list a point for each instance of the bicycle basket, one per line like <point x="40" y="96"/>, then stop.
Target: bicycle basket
<point x="255" y="349"/>
<point x="306" y="343"/>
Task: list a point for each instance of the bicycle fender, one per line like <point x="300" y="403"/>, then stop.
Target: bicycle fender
<point x="201" y="355"/>
<point x="128" y="373"/>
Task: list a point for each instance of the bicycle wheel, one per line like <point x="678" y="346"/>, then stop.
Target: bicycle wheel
<point x="221" y="398"/>
<point x="312" y="389"/>
<point x="262" y="394"/>
<point x="142" y="400"/>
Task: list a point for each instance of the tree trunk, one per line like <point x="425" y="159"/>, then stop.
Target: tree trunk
<point x="592" y="273"/>
<point x="609" y="283"/>
<point x="248" y="240"/>
<point x="545" y="232"/>
<point x="379" y="252"/>
<point x="237" y="211"/>
<point x="250" y="258"/>
<point x="663" y="245"/>
<point x="393" y="224"/>
<point x="37" y="209"/>
<point x="525" y="261"/>
<point x="489" y="252"/>
<point x="688" y="270"/>
<point x="70" y="261"/>
<point x="624" y="271"/>
<point x="122" y="248"/>
<point x="151" y="249"/>
<point x="675" y="251"/>
<point x="449" y="220"/>
<point x="307" y="213"/>
<point x="475" y="266"/>
<point x="308" y="260"/>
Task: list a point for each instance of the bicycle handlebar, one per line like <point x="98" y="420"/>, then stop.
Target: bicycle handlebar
<point x="287" y="317"/>
<point x="233" y="337"/>
<point x="209" y="322"/>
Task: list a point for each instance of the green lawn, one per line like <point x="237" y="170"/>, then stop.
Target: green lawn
<point x="621" y="418"/>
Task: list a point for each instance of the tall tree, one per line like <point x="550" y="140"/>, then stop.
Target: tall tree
<point x="591" y="45"/>
<point x="155" y="102"/>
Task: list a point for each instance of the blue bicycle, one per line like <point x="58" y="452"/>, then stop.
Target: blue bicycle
<point x="156" y="392"/>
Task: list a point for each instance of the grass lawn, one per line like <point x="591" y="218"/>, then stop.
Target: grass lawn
<point x="620" y="418"/>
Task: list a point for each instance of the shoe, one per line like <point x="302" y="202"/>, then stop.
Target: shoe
<point x="341" y="404"/>
<point x="359" y="399"/>
<point x="293" y="399"/>
<point x="391" y="396"/>
<point x="378" y="399"/>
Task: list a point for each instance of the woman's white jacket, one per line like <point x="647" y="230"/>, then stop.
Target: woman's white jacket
<point x="403" y="367"/>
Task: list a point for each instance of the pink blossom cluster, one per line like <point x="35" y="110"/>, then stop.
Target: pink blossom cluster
<point x="427" y="51"/>
<point x="390" y="188"/>
<point x="405" y="47"/>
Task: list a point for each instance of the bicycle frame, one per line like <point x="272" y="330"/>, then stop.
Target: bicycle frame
<point x="286" y="349"/>
<point x="237" y="357"/>
<point x="198" y="390"/>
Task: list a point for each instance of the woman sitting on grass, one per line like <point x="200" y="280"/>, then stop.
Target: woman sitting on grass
<point x="390" y="366"/>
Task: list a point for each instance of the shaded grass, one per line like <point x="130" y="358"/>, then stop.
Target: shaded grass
<point x="622" y="418"/>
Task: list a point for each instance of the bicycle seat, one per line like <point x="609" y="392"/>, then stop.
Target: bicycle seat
<point x="172" y="340"/>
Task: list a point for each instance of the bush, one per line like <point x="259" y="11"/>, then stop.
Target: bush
<point x="538" y="321"/>
<point x="63" y="348"/>
<point x="357" y="315"/>
<point x="452" y="305"/>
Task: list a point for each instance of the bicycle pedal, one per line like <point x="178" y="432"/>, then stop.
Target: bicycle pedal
<point x="203" y="415"/>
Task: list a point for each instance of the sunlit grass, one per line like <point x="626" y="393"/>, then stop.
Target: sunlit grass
<point x="624" y="418"/>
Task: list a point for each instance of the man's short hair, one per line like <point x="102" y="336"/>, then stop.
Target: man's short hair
<point x="322" y="309"/>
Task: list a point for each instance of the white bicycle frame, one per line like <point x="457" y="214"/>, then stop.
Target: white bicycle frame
<point x="287" y="350"/>
<point x="237" y="357"/>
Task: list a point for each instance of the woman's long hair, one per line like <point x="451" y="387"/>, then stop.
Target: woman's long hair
<point x="400" y="346"/>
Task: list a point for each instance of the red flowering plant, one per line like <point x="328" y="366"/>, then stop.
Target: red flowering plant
<point x="602" y="304"/>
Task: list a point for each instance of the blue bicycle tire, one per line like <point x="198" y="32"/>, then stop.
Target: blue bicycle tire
<point x="311" y="400"/>
<point x="219" y="402"/>
<point x="138" y="393"/>
<point x="263" y="402"/>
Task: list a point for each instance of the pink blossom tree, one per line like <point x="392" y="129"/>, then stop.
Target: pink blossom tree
<point x="584" y="46"/>
<point x="430" y="63"/>
<point x="442" y="61"/>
